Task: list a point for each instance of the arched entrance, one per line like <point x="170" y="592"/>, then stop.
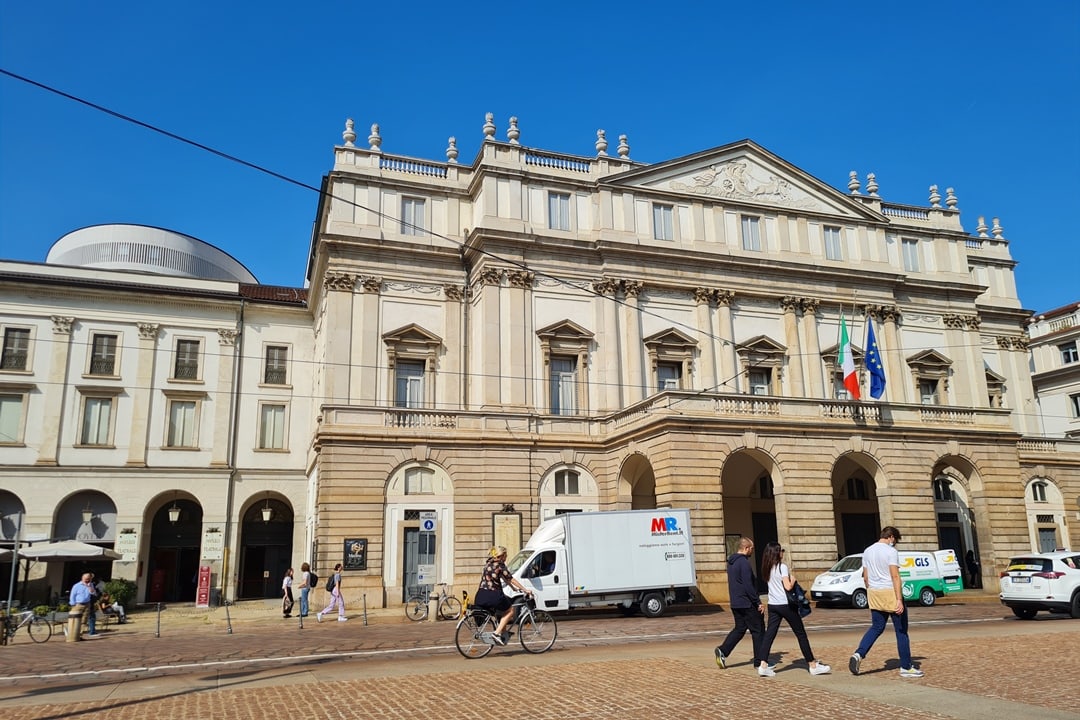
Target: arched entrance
<point x="88" y="517"/>
<point x="855" y="503"/>
<point x="955" y="482"/>
<point x="175" y="539"/>
<point x="1045" y="507"/>
<point x="266" y="534"/>
<point x="749" y="501"/>
<point x="637" y="480"/>
<point x="12" y="512"/>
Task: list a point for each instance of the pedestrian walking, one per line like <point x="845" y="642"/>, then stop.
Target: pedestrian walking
<point x="780" y="581"/>
<point x="972" y="563"/>
<point x="333" y="584"/>
<point x="287" y="594"/>
<point x="881" y="575"/>
<point x="305" y="588"/>
<point x="746" y="607"/>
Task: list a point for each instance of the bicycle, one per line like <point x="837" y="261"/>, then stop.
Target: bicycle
<point x="448" y="608"/>
<point x="475" y="633"/>
<point x="37" y="627"/>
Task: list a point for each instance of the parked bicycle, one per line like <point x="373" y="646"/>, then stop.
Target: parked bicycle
<point x="475" y="634"/>
<point x="37" y="627"/>
<point x="449" y="607"/>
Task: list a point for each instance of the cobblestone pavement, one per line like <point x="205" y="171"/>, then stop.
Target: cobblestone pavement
<point x="979" y="662"/>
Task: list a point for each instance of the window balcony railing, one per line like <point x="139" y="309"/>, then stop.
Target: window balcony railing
<point x="274" y="376"/>
<point x="186" y="372"/>
<point x="13" y="361"/>
<point x="102" y="367"/>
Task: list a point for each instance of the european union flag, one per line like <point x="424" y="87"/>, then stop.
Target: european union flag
<point x="873" y="363"/>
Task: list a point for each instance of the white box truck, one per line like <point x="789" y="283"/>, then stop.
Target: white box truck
<point x="635" y="559"/>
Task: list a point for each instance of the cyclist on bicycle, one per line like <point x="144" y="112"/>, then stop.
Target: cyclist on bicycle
<point x="490" y="594"/>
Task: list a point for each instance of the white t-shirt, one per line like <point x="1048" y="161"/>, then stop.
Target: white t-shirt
<point x="305" y="580"/>
<point x="777" y="594"/>
<point x="286" y="583"/>
<point x="876" y="559"/>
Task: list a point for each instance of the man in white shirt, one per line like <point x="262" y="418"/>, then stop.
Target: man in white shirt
<point x="881" y="575"/>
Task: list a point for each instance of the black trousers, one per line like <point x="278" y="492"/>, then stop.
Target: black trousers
<point x="791" y="614"/>
<point x="746" y="619"/>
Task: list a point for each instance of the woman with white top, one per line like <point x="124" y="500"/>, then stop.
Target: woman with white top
<point x="780" y="581"/>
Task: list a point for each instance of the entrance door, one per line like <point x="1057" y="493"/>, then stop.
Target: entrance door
<point x="419" y="550"/>
<point x="949" y="538"/>
<point x="1047" y="539"/>
<point x="860" y="531"/>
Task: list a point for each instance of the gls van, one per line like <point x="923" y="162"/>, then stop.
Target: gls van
<point x="924" y="576"/>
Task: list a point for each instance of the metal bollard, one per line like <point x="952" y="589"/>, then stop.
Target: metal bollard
<point x="157" y="633"/>
<point x="228" y="618"/>
<point x="364" y="598"/>
<point x="74" y="627"/>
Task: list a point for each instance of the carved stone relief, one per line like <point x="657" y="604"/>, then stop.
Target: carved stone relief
<point x="743" y="180"/>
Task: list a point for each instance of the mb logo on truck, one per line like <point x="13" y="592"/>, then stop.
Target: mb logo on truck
<point x="665" y="526"/>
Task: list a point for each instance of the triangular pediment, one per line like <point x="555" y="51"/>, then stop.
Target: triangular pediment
<point x="565" y="329"/>
<point x="746" y="174"/>
<point x="671" y="338"/>
<point x="833" y="351"/>
<point x="929" y="359"/>
<point x="413" y="334"/>
<point x="993" y="377"/>
<point x="761" y="345"/>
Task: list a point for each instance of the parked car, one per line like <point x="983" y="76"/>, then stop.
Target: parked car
<point x="924" y="576"/>
<point x="1042" y="581"/>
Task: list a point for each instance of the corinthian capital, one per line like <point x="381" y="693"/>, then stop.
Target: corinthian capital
<point x="371" y="284"/>
<point x="62" y="325"/>
<point x="491" y="276"/>
<point x="520" y="278"/>
<point x="339" y="281"/>
<point x="703" y="296"/>
<point x="605" y="287"/>
<point x="789" y="303"/>
<point x="725" y="297"/>
<point x="632" y="288"/>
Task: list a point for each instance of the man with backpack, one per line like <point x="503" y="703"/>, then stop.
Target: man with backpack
<point x="308" y="581"/>
<point x="333" y="586"/>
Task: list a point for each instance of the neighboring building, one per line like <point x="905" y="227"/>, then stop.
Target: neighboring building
<point x="157" y="416"/>
<point x="484" y="346"/>
<point x="539" y="332"/>
<point x="1055" y="357"/>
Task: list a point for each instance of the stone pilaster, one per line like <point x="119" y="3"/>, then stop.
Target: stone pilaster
<point x="794" y="348"/>
<point x="219" y="456"/>
<point x="729" y="361"/>
<point x="142" y="393"/>
<point x="703" y="299"/>
<point x="367" y="346"/>
<point x="635" y="381"/>
<point x="517" y="369"/>
<point x="609" y="369"/>
<point x="812" y="365"/>
<point x="53" y="392"/>
<point x="337" y="328"/>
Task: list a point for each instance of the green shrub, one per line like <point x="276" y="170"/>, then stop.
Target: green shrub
<point x="63" y="607"/>
<point x="41" y="610"/>
<point x="122" y="591"/>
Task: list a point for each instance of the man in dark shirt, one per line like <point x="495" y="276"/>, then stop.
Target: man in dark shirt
<point x="746" y="607"/>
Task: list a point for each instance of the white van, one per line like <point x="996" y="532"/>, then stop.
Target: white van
<point x="925" y="576"/>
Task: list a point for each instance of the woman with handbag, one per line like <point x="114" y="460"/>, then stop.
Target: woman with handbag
<point x="781" y="587"/>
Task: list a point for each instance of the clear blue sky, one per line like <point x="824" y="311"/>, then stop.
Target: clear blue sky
<point x="979" y="96"/>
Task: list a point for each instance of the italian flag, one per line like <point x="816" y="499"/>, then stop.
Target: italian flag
<point x="847" y="362"/>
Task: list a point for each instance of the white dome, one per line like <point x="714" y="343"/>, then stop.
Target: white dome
<point x="146" y="249"/>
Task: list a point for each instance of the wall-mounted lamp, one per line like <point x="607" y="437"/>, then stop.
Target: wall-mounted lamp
<point x="267" y="511"/>
<point x="174" y="511"/>
<point x="87" y="514"/>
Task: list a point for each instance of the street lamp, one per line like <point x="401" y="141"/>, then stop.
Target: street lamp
<point x="267" y="511"/>
<point x="174" y="511"/>
<point x="87" y="514"/>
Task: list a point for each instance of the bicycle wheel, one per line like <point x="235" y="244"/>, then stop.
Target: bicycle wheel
<point x="537" y="631"/>
<point x="470" y="635"/>
<point x="416" y="608"/>
<point x="40" y="629"/>
<point x="450" y="608"/>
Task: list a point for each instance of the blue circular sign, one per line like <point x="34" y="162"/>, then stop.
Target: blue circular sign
<point x="429" y="524"/>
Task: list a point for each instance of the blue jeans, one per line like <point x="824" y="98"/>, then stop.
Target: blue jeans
<point x="878" y="619"/>
<point x="304" y="601"/>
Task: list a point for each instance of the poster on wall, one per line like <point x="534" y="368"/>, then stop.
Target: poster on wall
<point x="355" y="554"/>
<point x="506" y="531"/>
<point x="213" y="544"/>
<point x="127" y="544"/>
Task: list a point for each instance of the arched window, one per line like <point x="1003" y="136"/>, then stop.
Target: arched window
<point x="1038" y="491"/>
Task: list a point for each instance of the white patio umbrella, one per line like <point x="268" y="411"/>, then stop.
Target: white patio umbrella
<point x="68" y="550"/>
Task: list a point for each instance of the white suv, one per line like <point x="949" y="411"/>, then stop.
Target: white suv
<point x="1042" y="581"/>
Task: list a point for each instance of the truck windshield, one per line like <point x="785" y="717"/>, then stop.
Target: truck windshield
<point x="849" y="564"/>
<point x="520" y="559"/>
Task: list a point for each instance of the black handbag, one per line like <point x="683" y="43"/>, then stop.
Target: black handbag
<point x="797" y="599"/>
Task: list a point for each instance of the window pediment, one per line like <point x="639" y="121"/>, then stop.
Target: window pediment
<point x="671" y="338"/>
<point x="762" y="350"/>
<point x="930" y="361"/>
<point x="565" y="337"/>
<point x="565" y="330"/>
<point x="412" y="341"/>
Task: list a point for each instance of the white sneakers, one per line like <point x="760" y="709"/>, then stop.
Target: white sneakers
<point x="911" y="672"/>
<point x="342" y="619"/>
<point x="820" y="669"/>
<point x="765" y="671"/>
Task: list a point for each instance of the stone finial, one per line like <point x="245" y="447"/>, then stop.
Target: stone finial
<point x="375" y="139"/>
<point x="935" y="197"/>
<point x="512" y="134"/>
<point x="349" y="136"/>
<point x="871" y="185"/>
<point x="601" y="144"/>
<point x="853" y="183"/>
<point x="489" y="126"/>
<point x="997" y="231"/>
<point x="624" y="148"/>
<point x="981" y="227"/>
<point x="452" y="151"/>
<point x="950" y="198"/>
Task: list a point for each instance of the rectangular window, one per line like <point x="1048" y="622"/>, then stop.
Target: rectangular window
<point x="558" y="211"/>
<point x="1068" y="353"/>
<point x="928" y="394"/>
<point x="833" y="244"/>
<point x="669" y="376"/>
<point x="566" y="482"/>
<point x="277" y="365"/>
<point x="97" y="419"/>
<point x="187" y="360"/>
<point x="759" y="382"/>
<point x="663" y="227"/>
<point x="751" y="234"/>
<point x="856" y="489"/>
<point x="181" y="432"/>
<point x="1074" y="401"/>
<point x="271" y="427"/>
<point x="840" y="391"/>
<point x="412" y="216"/>
<point x="563" y="390"/>
<point x="910" y="249"/>
<point x="409" y="384"/>
<point x="11" y="414"/>
<point x="103" y="355"/>
<point x="16" y="349"/>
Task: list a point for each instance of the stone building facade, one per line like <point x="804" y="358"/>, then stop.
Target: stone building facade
<point x="538" y="332"/>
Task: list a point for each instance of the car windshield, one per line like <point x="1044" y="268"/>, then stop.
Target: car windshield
<point x="520" y="559"/>
<point x="849" y="564"/>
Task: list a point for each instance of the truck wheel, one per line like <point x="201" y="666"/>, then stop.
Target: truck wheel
<point x="1024" y="613"/>
<point x="859" y="600"/>
<point x="653" y="605"/>
<point x="927" y="597"/>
